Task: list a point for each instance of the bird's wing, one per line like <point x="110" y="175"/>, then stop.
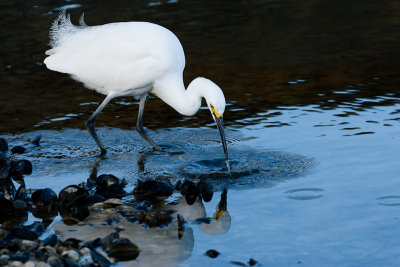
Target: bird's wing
<point x="106" y="64"/>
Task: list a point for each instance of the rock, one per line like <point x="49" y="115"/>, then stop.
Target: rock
<point x="86" y="260"/>
<point x="84" y="251"/>
<point x="109" y="186"/>
<point x="36" y="140"/>
<point x="71" y="196"/>
<point x="156" y="219"/>
<point x="153" y="190"/>
<point x="96" y="199"/>
<point x="206" y="190"/>
<point x="112" y="203"/>
<point x="21" y="193"/>
<point x="6" y="207"/>
<point x="122" y="249"/>
<point x="28" y="245"/>
<point x="18" y="150"/>
<point x="19" y="205"/>
<point x="19" y="168"/>
<point x="71" y="243"/>
<point x="212" y="253"/>
<point x="71" y="254"/>
<point x="36" y="264"/>
<point x="70" y="263"/>
<point x="93" y="243"/>
<point x="15" y="263"/>
<point x="18" y="257"/>
<point x="3" y="145"/>
<point x="252" y="262"/>
<point x="55" y="261"/>
<point x="23" y="232"/>
<point x="99" y="259"/>
<point x="106" y="241"/>
<point x="190" y="191"/>
<point x="51" y="240"/>
<point x="5" y="166"/>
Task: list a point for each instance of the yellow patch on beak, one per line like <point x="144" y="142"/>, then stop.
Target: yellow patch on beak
<point x="215" y="112"/>
<point x="219" y="214"/>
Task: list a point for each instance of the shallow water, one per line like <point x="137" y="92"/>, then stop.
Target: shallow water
<point x="312" y="126"/>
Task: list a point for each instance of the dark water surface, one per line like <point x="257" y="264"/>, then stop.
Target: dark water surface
<point x="312" y="122"/>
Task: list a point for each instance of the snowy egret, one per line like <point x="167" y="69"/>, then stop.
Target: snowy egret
<point x="130" y="59"/>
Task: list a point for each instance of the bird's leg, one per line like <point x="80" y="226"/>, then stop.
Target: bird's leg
<point x="92" y="119"/>
<point x="139" y="123"/>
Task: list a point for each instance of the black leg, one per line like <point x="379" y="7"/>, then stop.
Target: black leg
<point x="139" y="123"/>
<point x="92" y="119"/>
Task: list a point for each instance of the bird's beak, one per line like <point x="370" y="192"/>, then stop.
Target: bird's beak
<point x="220" y="125"/>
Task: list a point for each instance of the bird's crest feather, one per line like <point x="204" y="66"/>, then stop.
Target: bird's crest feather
<point x="63" y="28"/>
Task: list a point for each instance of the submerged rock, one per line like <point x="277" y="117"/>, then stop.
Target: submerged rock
<point x="109" y="186"/>
<point x="72" y="196"/>
<point x="206" y="190"/>
<point x="190" y="191"/>
<point x="156" y="219"/>
<point x="153" y="190"/>
<point x="73" y="204"/>
<point x="36" y="140"/>
<point x="3" y="145"/>
<point x="122" y="249"/>
<point x="18" y="150"/>
<point x="212" y="253"/>
<point x="44" y="203"/>
<point x="99" y="259"/>
<point x="5" y="166"/>
<point x="252" y="262"/>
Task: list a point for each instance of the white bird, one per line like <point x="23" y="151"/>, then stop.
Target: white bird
<point x="131" y="59"/>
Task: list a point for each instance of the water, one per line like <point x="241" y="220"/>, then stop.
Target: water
<point x="312" y="126"/>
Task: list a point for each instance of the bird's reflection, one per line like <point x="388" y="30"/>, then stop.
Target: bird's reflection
<point x="162" y="227"/>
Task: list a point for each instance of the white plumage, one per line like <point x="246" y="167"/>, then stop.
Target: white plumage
<point x="130" y="59"/>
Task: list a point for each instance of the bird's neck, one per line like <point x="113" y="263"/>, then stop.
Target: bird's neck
<point x="172" y="91"/>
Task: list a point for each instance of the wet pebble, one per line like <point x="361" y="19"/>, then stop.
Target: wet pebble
<point x="86" y="260"/>
<point x="70" y="263"/>
<point x="99" y="259"/>
<point x="55" y="261"/>
<point x="35" y="264"/>
<point x="71" y="254"/>
<point x="51" y="240"/>
<point x="18" y="150"/>
<point x="212" y="253"/>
